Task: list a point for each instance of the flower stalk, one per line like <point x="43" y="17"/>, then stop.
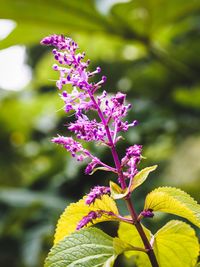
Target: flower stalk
<point x="111" y="112"/>
<point x="148" y="247"/>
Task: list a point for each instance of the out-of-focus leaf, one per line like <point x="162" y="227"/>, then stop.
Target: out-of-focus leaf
<point x="146" y="17"/>
<point x="188" y="97"/>
<point x="33" y="20"/>
<point x="186" y="154"/>
<point x="24" y="198"/>
<point x="33" y="241"/>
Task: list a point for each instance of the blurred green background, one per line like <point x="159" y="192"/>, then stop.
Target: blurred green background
<point x="149" y="49"/>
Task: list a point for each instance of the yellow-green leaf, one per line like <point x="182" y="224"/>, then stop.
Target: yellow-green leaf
<point x="174" y="201"/>
<point x="76" y="211"/>
<point x="116" y="191"/>
<point x="176" y="245"/>
<point x="129" y="234"/>
<point x="140" y="177"/>
<point x="121" y="246"/>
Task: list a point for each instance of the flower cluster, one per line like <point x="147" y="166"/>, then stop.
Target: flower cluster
<point x="130" y="160"/>
<point x="73" y="70"/>
<point x="76" y="73"/>
<point x="75" y="148"/>
<point x="92" y="215"/>
<point x="88" y="130"/>
<point x="95" y="193"/>
<point x="111" y="111"/>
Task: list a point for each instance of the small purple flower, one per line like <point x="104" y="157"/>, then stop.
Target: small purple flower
<point x="77" y="101"/>
<point x="90" y="167"/>
<point x="74" y="147"/>
<point x="58" y="41"/>
<point x="115" y="108"/>
<point x="147" y="213"/>
<point x="134" y="151"/>
<point x="131" y="159"/>
<point x="95" y="193"/>
<point x="88" y="130"/>
<point x="92" y="215"/>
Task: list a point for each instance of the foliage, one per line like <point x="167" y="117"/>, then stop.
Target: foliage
<point x="150" y="49"/>
<point x="76" y="211"/>
<point x="175" y="201"/>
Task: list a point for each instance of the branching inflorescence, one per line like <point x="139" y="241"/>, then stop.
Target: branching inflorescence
<point x="111" y="111"/>
<point x="105" y="127"/>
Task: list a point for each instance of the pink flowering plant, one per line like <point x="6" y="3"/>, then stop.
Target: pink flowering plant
<point x="101" y="118"/>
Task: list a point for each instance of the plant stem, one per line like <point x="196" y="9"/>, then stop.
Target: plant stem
<point x="131" y="209"/>
<point x="142" y="234"/>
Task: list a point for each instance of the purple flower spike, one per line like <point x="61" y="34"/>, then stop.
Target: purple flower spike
<point x="111" y="110"/>
<point x="95" y="193"/>
<point x="74" y="68"/>
<point x="92" y="215"/>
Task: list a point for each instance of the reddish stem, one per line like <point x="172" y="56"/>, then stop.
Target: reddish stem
<point x="130" y="206"/>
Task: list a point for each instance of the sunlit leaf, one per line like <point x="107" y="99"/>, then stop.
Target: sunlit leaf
<point x="116" y="191"/>
<point x="175" y="201"/>
<point x="76" y="211"/>
<point x="129" y="234"/>
<point x="140" y="177"/>
<point x="176" y="245"/>
<point x="121" y="246"/>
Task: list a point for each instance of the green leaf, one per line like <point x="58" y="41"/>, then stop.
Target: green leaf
<point x="176" y="245"/>
<point x="110" y="262"/>
<point x="140" y="177"/>
<point x="116" y="191"/>
<point x="99" y="169"/>
<point x="143" y="18"/>
<point x="89" y="247"/>
<point x="76" y="211"/>
<point x="174" y="201"/>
